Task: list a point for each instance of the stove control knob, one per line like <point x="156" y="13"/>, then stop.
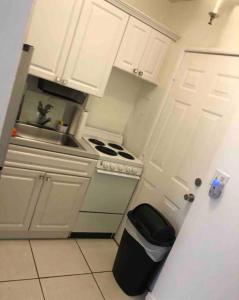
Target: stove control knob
<point x="106" y="165"/>
<point x="135" y="171"/>
<point x="113" y="167"/>
<point x="103" y="164"/>
<point x="120" y="168"/>
<point x="128" y="170"/>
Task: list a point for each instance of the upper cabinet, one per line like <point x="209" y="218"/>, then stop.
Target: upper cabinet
<point x="95" y="46"/>
<point x="50" y="32"/>
<point x="142" y="51"/>
<point x="76" y="42"/>
<point x="133" y="45"/>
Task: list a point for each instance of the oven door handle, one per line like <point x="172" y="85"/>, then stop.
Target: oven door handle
<point x="117" y="174"/>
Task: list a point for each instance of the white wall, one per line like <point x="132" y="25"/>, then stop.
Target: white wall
<point x="113" y="110"/>
<point x="13" y="21"/>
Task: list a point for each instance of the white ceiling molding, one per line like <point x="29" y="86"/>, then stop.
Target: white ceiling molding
<point x="132" y="11"/>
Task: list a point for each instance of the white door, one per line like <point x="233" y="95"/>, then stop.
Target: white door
<point x="50" y="32"/>
<point x="133" y="46"/>
<point x="189" y="131"/>
<point x="19" y="190"/>
<point x="153" y="56"/>
<point x="59" y="202"/>
<point x="94" y="48"/>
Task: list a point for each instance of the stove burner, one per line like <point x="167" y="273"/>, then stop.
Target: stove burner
<point x="96" y="142"/>
<point x="106" y="150"/>
<point x="115" y="146"/>
<point x="126" y="155"/>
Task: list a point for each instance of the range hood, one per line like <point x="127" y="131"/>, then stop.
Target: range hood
<point x="61" y="91"/>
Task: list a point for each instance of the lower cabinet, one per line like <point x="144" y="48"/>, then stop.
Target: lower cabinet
<point x="19" y="191"/>
<point x="59" y="202"/>
<point x="39" y="201"/>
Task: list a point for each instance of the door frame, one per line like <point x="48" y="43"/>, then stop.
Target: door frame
<point x="182" y="52"/>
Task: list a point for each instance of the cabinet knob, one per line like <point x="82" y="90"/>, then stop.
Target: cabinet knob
<point x="135" y="71"/>
<point x="141" y="73"/>
<point x="47" y="178"/>
<point x="64" y="81"/>
<point x="41" y="177"/>
<point x="58" y="79"/>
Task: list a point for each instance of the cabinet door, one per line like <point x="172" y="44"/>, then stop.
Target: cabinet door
<point x="94" y="48"/>
<point x="133" y="46"/>
<point x="50" y="32"/>
<point x="59" y="202"/>
<point x="153" y="56"/>
<point x="19" y="190"/>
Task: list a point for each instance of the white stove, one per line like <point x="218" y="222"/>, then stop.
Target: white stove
<point x="111" y="188"/>
<point x="113" y="157"/>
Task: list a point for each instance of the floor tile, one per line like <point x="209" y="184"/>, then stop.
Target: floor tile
<point x="100" y="254"/>
<point x="110" y="288"/>
<point x="80" y="287"/>
<point x="58" y="257"/>
<point x="21" y="290"/>
<point x="16" y="261"/>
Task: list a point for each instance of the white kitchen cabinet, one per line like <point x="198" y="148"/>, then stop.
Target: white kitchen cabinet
<point x="76" y="42"/>
<point x="19" y="190"/>
<point x="51" y="30"/>
<point x="59" y="202"/>
<point x="133" y="46"/>
<point x="94" y="48"/>
<point x="153" y="56"/>
<point x="142" y="51"/>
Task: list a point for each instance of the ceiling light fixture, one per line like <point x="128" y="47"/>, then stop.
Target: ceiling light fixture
<point x="214" y="13"/>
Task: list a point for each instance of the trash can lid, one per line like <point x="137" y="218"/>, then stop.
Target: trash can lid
<point x="154" y="227"/>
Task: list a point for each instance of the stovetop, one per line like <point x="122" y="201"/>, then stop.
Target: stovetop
<point x="112" y="152"/>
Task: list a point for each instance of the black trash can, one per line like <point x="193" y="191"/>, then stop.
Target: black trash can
<point x="147" y="239"/>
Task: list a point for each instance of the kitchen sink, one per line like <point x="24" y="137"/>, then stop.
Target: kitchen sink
<point x="46" y="135"/>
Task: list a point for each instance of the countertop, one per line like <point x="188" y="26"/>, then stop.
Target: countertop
<point x="83" y="151"/>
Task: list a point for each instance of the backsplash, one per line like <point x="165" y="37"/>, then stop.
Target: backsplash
<point x="32" y="97"/>
<point x="29" y="113"/>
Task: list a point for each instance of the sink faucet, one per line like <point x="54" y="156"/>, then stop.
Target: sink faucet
<point x="43" y="111"/>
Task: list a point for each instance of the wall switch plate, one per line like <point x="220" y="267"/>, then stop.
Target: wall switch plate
<point x="218" y="183"/>
<point x="222" y="176"/>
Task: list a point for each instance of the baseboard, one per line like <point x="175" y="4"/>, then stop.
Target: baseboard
<point x="91" y="235"/>
<point x="149" y="297"/>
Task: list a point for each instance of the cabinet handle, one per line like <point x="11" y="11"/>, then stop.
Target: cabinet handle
<point x="58" y="79"/>
<point x="64" y="81"/>
<point x="135" y="71"/>
<point x="47" y="178"/>
<point x="141" y="73"/>
<point x="41" y="177"/>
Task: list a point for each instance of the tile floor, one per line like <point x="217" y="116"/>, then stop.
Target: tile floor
<point x="59" y="270"/>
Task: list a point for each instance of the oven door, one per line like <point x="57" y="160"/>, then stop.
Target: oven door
<point x="109" y="192"/>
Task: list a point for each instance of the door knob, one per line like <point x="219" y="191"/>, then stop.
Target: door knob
<point x="189" y="197"/>
<point x="198" y="182"/>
